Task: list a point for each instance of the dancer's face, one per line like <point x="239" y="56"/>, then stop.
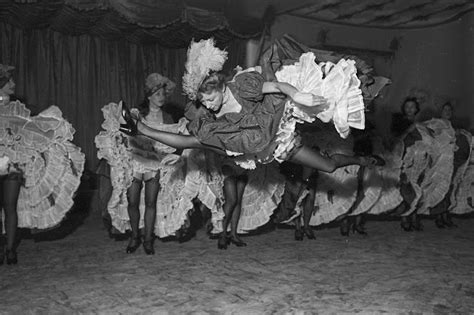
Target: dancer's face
<point x="9" y="87"/>
<point x="410" y="110"/>
<point x="447" y="112"/>
<point x="158" y="98"/>
<point x="213" y="100"/>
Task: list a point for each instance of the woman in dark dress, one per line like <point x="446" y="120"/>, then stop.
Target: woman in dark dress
<point x="248" y="118"/>
<point x="403" y="127"/>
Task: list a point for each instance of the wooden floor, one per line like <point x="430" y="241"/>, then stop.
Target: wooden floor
<point x="389" y="271"/>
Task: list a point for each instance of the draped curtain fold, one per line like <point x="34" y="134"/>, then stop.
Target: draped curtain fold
<point x="171" y="23"/>
<point x="81" y="74"/>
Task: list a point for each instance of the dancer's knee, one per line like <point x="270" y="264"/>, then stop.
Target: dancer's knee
<point x="329" y="167"/>
<point x="150" y="204"/>
<point x="231" y="202"/>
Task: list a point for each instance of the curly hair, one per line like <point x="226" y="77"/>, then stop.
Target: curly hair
<point x="447" y="104"/>
<point x="214" y="81"/>
<point x="410" y="99"/>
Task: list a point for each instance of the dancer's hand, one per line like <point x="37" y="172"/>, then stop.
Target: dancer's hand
<point x="135" y="113"/>
<point x="310" y="100"/>
<point x="170" y="159"/>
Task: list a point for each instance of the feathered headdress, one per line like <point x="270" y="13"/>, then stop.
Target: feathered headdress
<point x="203" y="57"/>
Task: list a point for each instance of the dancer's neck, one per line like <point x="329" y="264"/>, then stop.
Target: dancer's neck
<point x="155" y="114"/>
<point x="229" y="104"/>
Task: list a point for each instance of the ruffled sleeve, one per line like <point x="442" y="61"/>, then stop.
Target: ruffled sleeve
<point x="249" y="86"/>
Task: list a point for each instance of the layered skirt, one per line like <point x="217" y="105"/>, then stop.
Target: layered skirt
<point x="40" y="149"/>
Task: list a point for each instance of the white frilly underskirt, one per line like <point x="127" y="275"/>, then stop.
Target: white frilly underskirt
<point x="40" y="148"/>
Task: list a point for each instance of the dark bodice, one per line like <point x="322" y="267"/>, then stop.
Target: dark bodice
<point x="253" y="129"/>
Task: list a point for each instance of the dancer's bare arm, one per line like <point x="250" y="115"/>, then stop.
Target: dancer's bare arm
<point x="306" y="99"/>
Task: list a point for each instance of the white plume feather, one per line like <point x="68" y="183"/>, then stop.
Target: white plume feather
<point x="203" y="57"/>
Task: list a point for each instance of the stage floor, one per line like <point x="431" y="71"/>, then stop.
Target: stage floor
<point x="389" y="271"/>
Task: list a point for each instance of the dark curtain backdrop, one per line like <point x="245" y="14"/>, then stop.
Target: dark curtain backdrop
<point x="81" y="74"/>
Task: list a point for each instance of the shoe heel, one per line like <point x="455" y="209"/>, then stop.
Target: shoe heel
<point x="299" y="235"/>
<point x="238" y="243"/>
<point x="12" y="258"/>
<point x="344" y="227"/>
<point x="148" y="247"/>
<point x="309" y="233"/>
<point x="222" y="242"/>
<point x="133" y="245"/>
<point x="130" y="127"/>
<point x="359" y="230"/>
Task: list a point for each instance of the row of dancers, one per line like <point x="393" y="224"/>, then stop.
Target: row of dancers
<point x="224" y="154"/>
<point x="243" y="187"/>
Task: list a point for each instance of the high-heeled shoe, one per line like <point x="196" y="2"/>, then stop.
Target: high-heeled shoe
<point x="359" y="229"/>
<point x="130" y="127"/>
<point x="417" y="225"/>
<point x="299" y="235"/>
<point x="133" y="245"/>
<point x="439" y="223"/>
<point x="148" y="247"/>
<point x="223" y="241"/>
<point x="344" y="227"/>
<point x="237" y="242"/>
<point x="309" y="233"/>
<point x="406" y="225"/>
<point x="12" y="258"/>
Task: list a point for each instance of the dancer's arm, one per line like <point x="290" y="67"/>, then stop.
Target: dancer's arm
<point x="174" y="140"/>
<point x="306" y="99"/>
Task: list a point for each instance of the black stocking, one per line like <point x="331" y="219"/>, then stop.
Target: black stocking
<point x="308" y="207"/>
<point x="152" y="186"/>
<point x="241" y="182"/>
<point x="11" y="190"/>
<point x="133" y="196"/>
<point x="230" y="196"/>
<point x="313" y="159"/>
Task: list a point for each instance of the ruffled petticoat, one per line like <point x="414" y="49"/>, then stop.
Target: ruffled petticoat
<point x="338" y="83"/>
<point x="462" y="196"/>
<point x="40" y="148"/>
<point x="262" y="195"/>
<point x="428" y="164"/>
<point x="390" y="196"/>
<point x="372" y="183"/>
<point x="182" y="178"/>
<point x="205" y="179"/>
<point x="335" y="192"/>
<point x="379" y="191"/>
